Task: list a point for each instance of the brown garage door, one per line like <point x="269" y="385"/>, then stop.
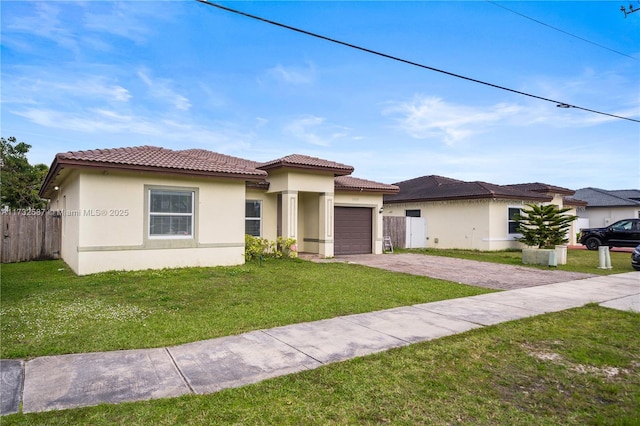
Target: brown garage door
<point x="352" y="230"/>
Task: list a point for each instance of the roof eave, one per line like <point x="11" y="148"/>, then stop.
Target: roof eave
<point x="371" y="190"/>
<point x="59" y="164"/>
<point x="467" y="197"/>
<point x="286" y="165"/>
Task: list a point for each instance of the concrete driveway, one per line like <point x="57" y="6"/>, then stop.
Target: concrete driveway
<point x="481" y="274"/>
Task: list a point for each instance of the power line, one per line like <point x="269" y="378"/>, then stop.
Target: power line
<point x="395" y="58"/>
<point x="558" y="29"/>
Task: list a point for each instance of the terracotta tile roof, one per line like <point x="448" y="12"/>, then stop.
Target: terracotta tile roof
<point x="155" y="159"/>
<point x="350" y="183"/>
<point x="438" y="188"/>
<point x="297" y="161"/>
<point x="200" y="162"/>
<point x="161" y="158"/>
<point x="220" y="158"/>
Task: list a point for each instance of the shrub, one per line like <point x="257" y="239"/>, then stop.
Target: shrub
<point x="544" y="225"/>
<point x="256" y="247"/>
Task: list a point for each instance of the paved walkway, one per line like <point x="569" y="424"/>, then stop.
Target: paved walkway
<point x="70" y="381"/>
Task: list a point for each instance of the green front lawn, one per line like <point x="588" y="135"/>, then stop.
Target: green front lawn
<point x="577" y="367"/>
<point x="47" y="310"/>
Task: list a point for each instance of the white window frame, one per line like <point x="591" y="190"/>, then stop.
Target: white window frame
<point x="156" y="214"/>
<point x="258" y="219"/>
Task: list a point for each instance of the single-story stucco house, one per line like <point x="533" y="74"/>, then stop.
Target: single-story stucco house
<point x="606" y="207"/>
<point x="473" y="215"/>
<point x="148" y="207"/>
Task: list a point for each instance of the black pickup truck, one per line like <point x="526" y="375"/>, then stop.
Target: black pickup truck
<point x="623" y="233"/>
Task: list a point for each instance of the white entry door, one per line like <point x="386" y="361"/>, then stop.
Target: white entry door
<point x="416" y="232"/>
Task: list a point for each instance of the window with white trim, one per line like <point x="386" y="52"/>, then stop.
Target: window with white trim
<point x="253" y="218"/>
<point x="171" y="213"/>
<point x="512" y="222"/>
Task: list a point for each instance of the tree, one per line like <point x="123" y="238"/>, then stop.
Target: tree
<point x="19" y="180"/>
<point x="544" y="225"/>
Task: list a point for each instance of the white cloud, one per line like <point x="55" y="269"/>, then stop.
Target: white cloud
<point x="95" y="87"/>
<point x="293" y="75"/>
<point x="161" y="89"/>
<point x="29" y="86"/>
<point x="126" y="128"/>
<point x="427" y="117"/>
<point x="128" y="20"/>
<point x="45" y="23"/>
<point x="124" y="19"/>
<point x="313" y="130"/>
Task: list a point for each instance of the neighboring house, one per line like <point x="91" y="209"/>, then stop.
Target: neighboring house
<point x="473" y="215"/>
<point x="606" y="207"/>
<point x="149" y="207"/>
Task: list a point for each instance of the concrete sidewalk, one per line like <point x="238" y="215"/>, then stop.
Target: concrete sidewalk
<point x="78" y="380"/>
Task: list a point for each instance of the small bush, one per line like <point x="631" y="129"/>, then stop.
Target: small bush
<point x="256" y="247"/>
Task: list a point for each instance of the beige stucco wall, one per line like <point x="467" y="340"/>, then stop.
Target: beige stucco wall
<point x="470" y="224"/>
<point x="499" y="237"/>
<point x="111" y="232"/>
<point x="269" y="212"/>
<point x="98" y="261"/>
<point x="308" y="222"/>
<point x="290" y="180"/>
<point x="66" y="201"/>
<point x="463" y="224"/>
<point x="314" y="218"/>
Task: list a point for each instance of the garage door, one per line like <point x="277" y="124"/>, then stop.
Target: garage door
<point x="352" y="230"/>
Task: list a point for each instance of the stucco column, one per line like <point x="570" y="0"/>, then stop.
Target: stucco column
<point x="325" y="227"/>
<point x="290" y="214"/>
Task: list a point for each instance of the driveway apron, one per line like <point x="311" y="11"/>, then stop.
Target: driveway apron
<point x="482" y="274"/>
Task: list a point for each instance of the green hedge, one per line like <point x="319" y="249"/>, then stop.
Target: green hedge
<point x="256" y="247"/>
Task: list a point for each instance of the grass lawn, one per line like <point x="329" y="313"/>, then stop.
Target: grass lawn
<point x="47" y="310"/>
<point x="577" y="260"/>
<point x="575" y="367"/>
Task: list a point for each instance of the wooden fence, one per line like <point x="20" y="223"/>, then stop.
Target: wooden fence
<point x="30" y="235"/>
<point x="396" y="228"/>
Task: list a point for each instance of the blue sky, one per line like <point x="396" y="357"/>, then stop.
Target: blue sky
<point x="182" y="74"/>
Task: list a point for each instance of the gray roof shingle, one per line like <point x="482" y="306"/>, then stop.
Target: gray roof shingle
<point x="542" y="188"/>
<point x="596" y="197"/>
<point x="438" y="188"/>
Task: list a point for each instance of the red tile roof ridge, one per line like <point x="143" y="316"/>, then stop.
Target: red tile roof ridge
<point x="358" y="184"/>
<point x="307" y="162"/>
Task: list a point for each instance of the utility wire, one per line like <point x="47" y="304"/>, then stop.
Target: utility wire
<point x="558" y="29"/>
<point x="395" y="58"/>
